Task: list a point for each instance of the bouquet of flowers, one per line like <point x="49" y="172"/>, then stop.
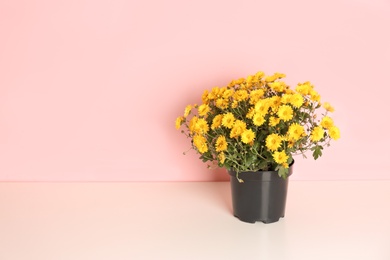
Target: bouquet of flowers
<point x="258" y="124"/>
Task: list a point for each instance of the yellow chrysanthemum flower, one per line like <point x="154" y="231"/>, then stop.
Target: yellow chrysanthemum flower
<point x="235" y="132"/>
<point x="178" y="122"/>
<point x="334" y="132"/>
<point x="255" y="96"/>
<point x="248" y="136"/>
<point x="228" y="120"/>
<point x="217" y="121"/>
<point x="327" y="122"/>
<point x="201" y="126"/>
<point x="222" y="92"/>
<point x="205" y="97"/>
<point x="221" y="144"/>
<point x="240" y="95"/>
<point x="187" y="110"/>
<point x="232" y="83"/>
<point x="192" y="124"/>
<point x="221" y="158"/>
<point x="259" y="74"/>
<point x="262" y="106"/>
<point x="227" y="94"/>
<point x="214" y="94"/>
<point x="295" y="131"/>
<point x="328" y="107"/>
<point x="203" y="109"/>
<point x="274" y="121"/>
<point x="270" y="78"/>
<point x="240" y="81"/>
<point x="251" y="113"/>
<point x="240" y="124"/>
<point x="273" y="142"/>
<point x="275" y="102"/>
<point x="296" y="100"/>
<point x="234" y="104"/>
<point x="238" y="128"/>
<point x="280" y="157"/>
<point x="258" y="119"/>
<point x="286" y="98"/>
<point x="222" y="103"/>
<point x="304" y="88"/>
<point x="200" y="143"/>
<point x="315" y="96"/>
<point x="317" y="134"/>
<point x="279" y="86"/>
<point x="250" y="80"/>
<point x="285" y="112"/>
<point x="279" y="75"/>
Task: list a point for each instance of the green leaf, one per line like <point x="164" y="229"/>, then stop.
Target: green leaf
<point x="282" y="172"/>
<point x="263" y="165"/>
<point x="317" y="152"/>
<point x="256" y="146"/>
<point x="251" y="158"/>
<point x="289" y="160"/>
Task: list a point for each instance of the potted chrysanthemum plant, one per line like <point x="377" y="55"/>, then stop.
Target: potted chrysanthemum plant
<point x="253" y="127"/>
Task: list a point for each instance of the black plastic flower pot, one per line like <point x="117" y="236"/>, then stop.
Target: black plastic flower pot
<point x="261" y="197"/>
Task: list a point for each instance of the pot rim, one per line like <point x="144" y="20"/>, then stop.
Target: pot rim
<point x="261" y="175"/>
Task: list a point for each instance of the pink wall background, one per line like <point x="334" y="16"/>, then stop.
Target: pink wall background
<point x="89" y="90"/>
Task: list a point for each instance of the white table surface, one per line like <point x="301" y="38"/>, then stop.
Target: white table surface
<point x="324" y="220"/>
